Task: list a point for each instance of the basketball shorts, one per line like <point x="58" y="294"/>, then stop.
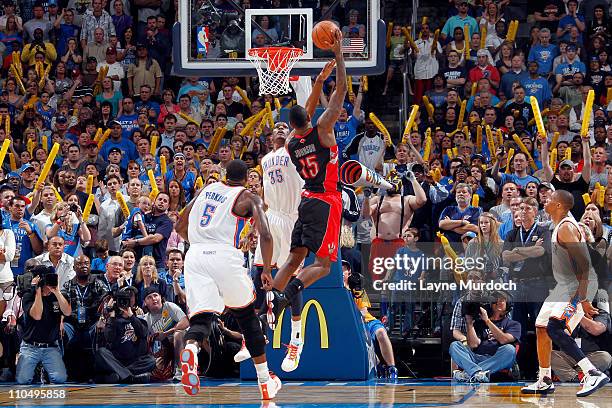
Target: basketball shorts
<point x="215" y="278"/>
<point x="557" y="306"/>
<point x="281" y="227"/>
<point x="318" y="225"/>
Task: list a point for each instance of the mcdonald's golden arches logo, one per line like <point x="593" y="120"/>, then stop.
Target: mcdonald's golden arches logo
<point x="276" y="340"/>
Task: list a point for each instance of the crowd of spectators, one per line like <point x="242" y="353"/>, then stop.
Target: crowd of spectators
<point x="97" y="80"/>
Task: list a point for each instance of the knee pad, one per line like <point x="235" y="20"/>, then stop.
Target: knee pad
<point x="199" y="327"/>
<point x="251" y="330"/>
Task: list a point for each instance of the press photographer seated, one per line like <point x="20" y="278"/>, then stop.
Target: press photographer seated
<point x="485" y="345"/>
<point x="43" y="307"/>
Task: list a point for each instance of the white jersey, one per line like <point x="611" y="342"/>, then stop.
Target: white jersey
<point x="372" y="151"/>
<point x="281" y="182"/>
<point x="562" y="264"/>
<point x="212" y="220"/>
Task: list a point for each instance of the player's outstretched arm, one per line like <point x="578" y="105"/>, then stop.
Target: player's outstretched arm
<point x="315" y="95"/>
<point x="330" y="116"/>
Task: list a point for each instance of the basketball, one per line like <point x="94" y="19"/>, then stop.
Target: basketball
<point x="323" y="34"/>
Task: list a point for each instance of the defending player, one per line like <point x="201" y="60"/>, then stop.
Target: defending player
<point x="214" y="274"/>
<point x="576" y="283"/>
<point x="282" y="188"/>
<point x="314" y="152"/>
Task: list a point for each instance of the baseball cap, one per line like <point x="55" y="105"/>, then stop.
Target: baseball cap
<point x="52" y="3"/>
<point x="114" y="149"/>
<point x="150" y="290"/>
<point x="12" y="174"/>
<point x="479" y="157"/>
<point x="469" y="234"/>
<point x="25" y="167"/>
<point x="347" y="263"/>
<point x="482" y="53"/>
<point x="61" y="119"/>
<point x="111" y="50"/>
<point x="571" y="47"/>
<point x="567" y="162"/>
<point x="92" y="59"/>
<point x="546" y="184"/>
<point x="113" y="123"/>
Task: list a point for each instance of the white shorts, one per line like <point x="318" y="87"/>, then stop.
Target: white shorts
<point x="281" y="227"/>
<point x="556" y="306"/>
<point x="215" y="278"/>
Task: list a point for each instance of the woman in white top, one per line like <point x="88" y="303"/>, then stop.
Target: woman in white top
<point x="7" y="253"/>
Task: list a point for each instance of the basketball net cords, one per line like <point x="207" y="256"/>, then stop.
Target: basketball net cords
<point x="273" y="69"/>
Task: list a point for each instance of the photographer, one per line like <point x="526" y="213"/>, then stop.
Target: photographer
<point x="84" y="293"/>
<point x="125" y="358"/>
<point x="43" y="307"/>
<point x="487" y="346"/>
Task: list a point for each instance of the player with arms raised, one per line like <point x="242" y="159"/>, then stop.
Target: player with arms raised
<point x="314" y="152"/>
<point x="215" y="277"/>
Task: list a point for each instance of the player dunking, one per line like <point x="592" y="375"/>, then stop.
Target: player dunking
<point x="314" y="152"/>
<point x="215" y="277"/>
<point x="569" y="301"/>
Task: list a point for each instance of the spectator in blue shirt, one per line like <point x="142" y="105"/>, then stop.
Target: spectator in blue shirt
<point x="28" y="242"/>
<point x="536" y="86"/>
<point x="571" y="19"/>
<point x="566" y="70"/>
<point x="117" y="140"/>
<point x="129" y="117"/>
<point x="459" y="21"/>
<point x="457" y="220"/>
<point x="145" y="100"/>
<point x="520" y="177"/>
<point x="180" y="174"/>
<point x="516" y="74"/>
<point x="544" y="53"/>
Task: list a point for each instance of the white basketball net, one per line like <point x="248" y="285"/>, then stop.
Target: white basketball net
<point x="273" y="67"/>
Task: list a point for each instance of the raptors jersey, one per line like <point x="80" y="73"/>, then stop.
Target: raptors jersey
<point x="563" y="265"/>
<point x="212" y="219"/>
<point x="316" y="164"/>
<point x="281" y="181"/>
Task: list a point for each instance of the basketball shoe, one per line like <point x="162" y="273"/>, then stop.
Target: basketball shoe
<point x="189" y="368"/>
<point x="271" y="387"/>
<point x="591" y="382"/>
<point x="292" y="359"/>
<point x="540" y="387"/>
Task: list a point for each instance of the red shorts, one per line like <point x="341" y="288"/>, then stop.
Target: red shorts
<point x="318" y="225"/>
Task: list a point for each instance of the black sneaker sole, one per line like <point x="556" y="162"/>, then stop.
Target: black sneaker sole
<point x="538" y="392"/>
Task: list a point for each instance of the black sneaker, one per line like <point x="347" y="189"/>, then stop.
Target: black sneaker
<point x="276" y="302"/>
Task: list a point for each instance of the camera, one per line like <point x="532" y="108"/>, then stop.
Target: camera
<point x="123" y="300"/>
<point x="474" y="301"/>
<point x="74" y="208"/>
<point x="355" y="284"/>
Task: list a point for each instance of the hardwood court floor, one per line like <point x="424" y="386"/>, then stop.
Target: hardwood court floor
<point x="408" y="393"/>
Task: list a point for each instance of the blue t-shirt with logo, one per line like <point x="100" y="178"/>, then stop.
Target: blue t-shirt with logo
<point x="23" y="246"/>
<point x="544" y="56"/>
<point x="346" y="132"/>
<point x="539" y="88"/>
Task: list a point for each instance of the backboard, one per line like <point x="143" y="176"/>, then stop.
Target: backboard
<point x="212" y="37"/>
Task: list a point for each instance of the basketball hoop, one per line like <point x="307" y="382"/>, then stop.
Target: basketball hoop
<point x="273" y="65"/>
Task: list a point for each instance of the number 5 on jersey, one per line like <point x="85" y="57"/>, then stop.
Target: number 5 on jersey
<point x="207" y="214"/>
<point x="310" y="167"/>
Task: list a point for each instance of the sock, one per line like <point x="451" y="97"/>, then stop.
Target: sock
<point x="263" y="374"/>
<point x="586" y="365"/>
<point x="193" y="347"/>
<point x="293" y="288"/>
<point x="296" y="330"/>
<point x="544" y="372"/>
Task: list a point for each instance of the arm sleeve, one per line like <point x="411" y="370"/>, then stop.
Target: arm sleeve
<point x="351" y="211"/>
<point x="9" y="245"/>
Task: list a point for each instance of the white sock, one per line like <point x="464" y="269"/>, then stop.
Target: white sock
<point x="544" y="372"/>
<point x="193" y="347"/>
<point x="263" y="374"/>
<point x="586" y="365"/>
<point x="296" y="330"/>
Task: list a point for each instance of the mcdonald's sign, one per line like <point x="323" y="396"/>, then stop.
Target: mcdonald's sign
<point x="276" y="340"/>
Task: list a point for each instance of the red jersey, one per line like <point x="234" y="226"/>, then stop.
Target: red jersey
<point x="316" y="164"/>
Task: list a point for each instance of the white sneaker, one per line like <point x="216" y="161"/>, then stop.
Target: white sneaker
<point x="591" y="382"/>
<point x="243" y="354"/>
<point x="540" y="387"/>
<point x="271" y="387"/>
<point x="481" y="377"/>
<point x="460" y="376"/>
<point x="292" y="359"/>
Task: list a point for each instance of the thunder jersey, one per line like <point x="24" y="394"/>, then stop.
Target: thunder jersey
<point x="316" y="164"/>
<point x="563" y="265"/>
<point x="281" y="182"/>
<point x="212" y="220"/>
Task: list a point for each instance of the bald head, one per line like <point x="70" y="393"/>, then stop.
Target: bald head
<point x="565" y="198"/>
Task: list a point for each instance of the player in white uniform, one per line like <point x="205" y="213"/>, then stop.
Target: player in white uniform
<point x="215" y="277"/>
<point x="282" y="193"/>
<point x="569" y="301"/>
